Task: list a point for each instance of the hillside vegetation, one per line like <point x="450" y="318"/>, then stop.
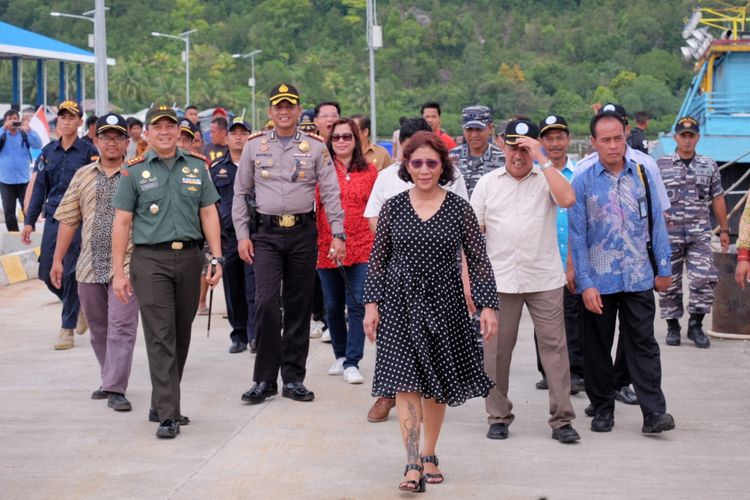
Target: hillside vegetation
<point x="516" y="56"/>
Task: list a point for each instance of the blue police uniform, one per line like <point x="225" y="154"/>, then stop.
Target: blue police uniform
<point x="54" y="170"/>
<point x="238" y="277"/>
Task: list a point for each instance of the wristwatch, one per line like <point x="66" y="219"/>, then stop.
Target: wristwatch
<point x="341" y="236"/>
<point x="217" y="260"/>
<point x="546" y="165"/>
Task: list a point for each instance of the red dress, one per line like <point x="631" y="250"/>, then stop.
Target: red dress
<point x="354" y="195"/>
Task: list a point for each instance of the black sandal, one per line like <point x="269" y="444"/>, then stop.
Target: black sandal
<point x="438" y="478"/>
<point x="411" y="485"/>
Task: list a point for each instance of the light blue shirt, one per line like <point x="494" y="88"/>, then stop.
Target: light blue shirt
<point x="562" y="217"/>
<point x="609" y="232"/>
<point x="15" y="162"/>
<point x="639" y="157"/>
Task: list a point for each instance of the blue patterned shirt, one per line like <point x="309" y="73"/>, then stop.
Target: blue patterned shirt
<point x="609" y="231"/>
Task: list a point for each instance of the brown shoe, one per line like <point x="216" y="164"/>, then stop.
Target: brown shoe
<point x="81" y="324"/>
<point x="380" y="409"/>
<point x="64" y="340"/>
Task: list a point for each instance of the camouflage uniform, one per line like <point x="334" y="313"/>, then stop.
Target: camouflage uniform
<point x="690" y="191"/>
<point x="474" y="168"/>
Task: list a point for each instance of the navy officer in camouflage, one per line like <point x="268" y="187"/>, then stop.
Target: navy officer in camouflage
<point x="693" y="183"/>
<point x="477" y="155"/>
<point x="274" y="217"/>
<point x="168" y="201"/>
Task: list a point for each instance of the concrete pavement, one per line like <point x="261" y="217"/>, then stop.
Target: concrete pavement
<point x="57" y="443"/>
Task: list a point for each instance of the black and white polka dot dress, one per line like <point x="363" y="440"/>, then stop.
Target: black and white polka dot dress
<point x="425" y="340"/>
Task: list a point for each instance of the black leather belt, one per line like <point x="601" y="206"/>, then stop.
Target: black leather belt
<point x="285" y="220"/>
<point x="173" y="245"/>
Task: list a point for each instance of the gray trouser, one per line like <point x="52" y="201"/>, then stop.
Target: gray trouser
<point x="113" y="326"/>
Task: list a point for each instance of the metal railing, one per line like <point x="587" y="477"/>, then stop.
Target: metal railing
<point x="707" y="104"/>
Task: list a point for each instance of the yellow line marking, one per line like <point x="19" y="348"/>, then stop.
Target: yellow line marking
<point x="13" y="268"/>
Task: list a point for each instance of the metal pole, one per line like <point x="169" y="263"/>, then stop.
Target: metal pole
<point x="252" y="66"/>
<point x="187" y="70"/>
<point x="370" y="45"/>
<point x="100" y="53"/>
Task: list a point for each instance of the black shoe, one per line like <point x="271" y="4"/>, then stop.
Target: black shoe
<point x="99" y="394"/>
<point x="673" y="332"/>
<point x="297" y="391"/>
<point x="118" y="402"/>
<point x="626" y="395"/>
<point x="259" y="392"/>
<point x="603" y="422"/>
<point x="253" y="347"/>
<point x="566" y="434"/>
<point x="589" y="411"/>
<point x="498" y="431"/>
<point x="168" y="429"/>
<point x="237" y="347"/>
<point x="576" y="384"/>
<point x="153" y="416"/>
<point x="657" y="422"/>
<point x="542" y="384"/>
<point x="695" y="331"/>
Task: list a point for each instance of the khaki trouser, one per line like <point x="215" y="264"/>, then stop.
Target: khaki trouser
<point x="546" y="309"/>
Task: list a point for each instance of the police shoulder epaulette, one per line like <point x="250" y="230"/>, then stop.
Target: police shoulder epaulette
<point x="135" y="160"/>
<point x="197" y="155"/>
<point x="217" y="161"/>
<point x="256" y="134"/>
<point x="316" y="136"/>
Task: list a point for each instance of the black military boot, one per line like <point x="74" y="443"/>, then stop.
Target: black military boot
<point x="673" y="331"/>
<point x="695" y="331"/>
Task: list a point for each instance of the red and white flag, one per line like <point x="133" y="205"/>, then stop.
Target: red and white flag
<point x="40" y="125"/>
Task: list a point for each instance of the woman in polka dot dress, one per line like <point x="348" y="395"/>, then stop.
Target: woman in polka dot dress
<point x="427" y="354"/>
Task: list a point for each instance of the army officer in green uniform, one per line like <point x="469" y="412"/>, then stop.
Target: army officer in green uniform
<point x="165" y="198"/>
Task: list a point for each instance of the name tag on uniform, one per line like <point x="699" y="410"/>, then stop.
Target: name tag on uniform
<point x="188" y="180"/>
<point x="149" y="185"/>
<point x="643" y="207"/>
<point x="303" y="155"/>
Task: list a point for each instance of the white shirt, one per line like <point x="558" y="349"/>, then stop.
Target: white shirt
<point x="520" y="221"/>
<point x="389" y="184"/>
<point x="639" y="157"/>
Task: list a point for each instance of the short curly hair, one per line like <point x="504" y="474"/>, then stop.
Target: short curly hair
<point x="427" y="139"/>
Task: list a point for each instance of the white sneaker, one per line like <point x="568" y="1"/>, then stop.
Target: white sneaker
<point x="316" y="329"/>
<point x="353" y="376"/>
<point x="337" y="368"/>
<point x="326" y="336"/>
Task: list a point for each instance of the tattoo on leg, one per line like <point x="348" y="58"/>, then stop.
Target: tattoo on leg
<point x="412" y="434"/>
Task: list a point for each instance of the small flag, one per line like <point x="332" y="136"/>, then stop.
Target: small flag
<point x="40" y="125"/>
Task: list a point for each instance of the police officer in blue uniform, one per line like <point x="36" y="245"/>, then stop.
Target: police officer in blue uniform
<point x="239" y="277"/>
<point x="58" y="162"/>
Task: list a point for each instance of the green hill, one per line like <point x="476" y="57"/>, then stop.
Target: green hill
<point x="531" y="56"/>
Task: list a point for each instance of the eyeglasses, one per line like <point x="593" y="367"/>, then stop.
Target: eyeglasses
<point x="417" y="164"/>
<point x="111" y="139"/>
<point x="342" y="137"/>
<point x="328" y="115"/>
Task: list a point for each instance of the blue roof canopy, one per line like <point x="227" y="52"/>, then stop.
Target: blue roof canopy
<point x="18" y="42"/>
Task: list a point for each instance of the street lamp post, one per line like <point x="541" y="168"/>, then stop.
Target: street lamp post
<point x="185" y="37"/>
<point x="101" y="89"/>
<point x="251" y="56"/>
<point x="374" y="41"/>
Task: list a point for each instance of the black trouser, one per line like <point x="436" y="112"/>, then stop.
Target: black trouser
<point x="641" y="352"/>
<point x="239" y="291"/>
<point x="68" y="293"/>
<point x="573" y="307"/>
<point x="318" y="302"/>
<point x="288" y="256"/>
<point x="166" y="284"/>
<point x="11" y="195"/>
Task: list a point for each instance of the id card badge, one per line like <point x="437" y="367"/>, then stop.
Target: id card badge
<point x="643" y="207"/>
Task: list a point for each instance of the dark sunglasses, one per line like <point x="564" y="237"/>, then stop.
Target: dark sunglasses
<point x="417" y="164"/>
<point x="342" y="137"/>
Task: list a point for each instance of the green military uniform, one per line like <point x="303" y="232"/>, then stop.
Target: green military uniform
<point x="165" y="269"/>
